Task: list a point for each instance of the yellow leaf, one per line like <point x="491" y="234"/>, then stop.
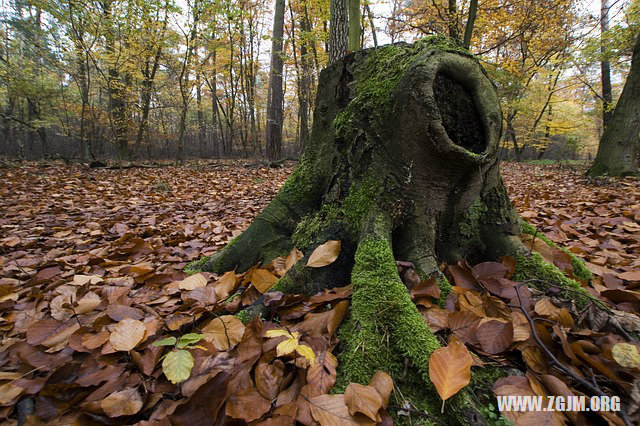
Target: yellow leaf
<point x="278" y="333"/>
<point x="287" y="346"/>
<point x="325" y="254"/>
<point x="450" y="369"/>
<point x="177" y="366"/>
<point x="127" y="334"/>
<point x="306" y="352"/>
<point x="626" y="355"/>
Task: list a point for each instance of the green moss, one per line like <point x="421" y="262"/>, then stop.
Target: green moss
<point x="196" y="266"/>
<point x="303" y="184"/>
<point x="385" y="328"/>
<point x="379" y="74"/>
<point x="534" y="266"/>
<point x="469" y="226"/>
<point x="361" y="200"/>
<point x="580" y="270"/>
<point x="445" y="289"/>
<point x="313" y="224"/>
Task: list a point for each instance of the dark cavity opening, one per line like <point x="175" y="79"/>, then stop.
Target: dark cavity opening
<point x="460" y="118"/>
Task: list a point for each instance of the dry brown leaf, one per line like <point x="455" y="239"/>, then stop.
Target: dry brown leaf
<point x="363" y="399"/>
<point x="263" y="280"/>
<point x="247" y="405"/>
<point x="224" y="332"/>
<point x="122" y="403"/>
<point x="193" y="282"/>
<point x="127" y="334"/>
<point x="383" y="383"/>
<point x="9" y="392"/>
<point x="293" y="258"/>
<point x="495" y="335"/>
<point x="325" y="254"/>
<point x="227" y="284"/>
<point x="331" y="410"/>
<point x="450" y="369"/>
<point x="322" y="373"/>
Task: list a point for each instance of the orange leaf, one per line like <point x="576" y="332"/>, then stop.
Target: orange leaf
<point x="263" y="280"/>
<point x="450" y="369"/>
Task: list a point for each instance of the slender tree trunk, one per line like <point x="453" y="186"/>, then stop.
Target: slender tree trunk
<point x="452" y="16"/>
<point x="276" y="97"/>
<point x="338" y="30"/>
<point x="355" y="28"/>
<point x="471" y="20"/>
<point x="202" y="130"/>
<point x="371" y="24"/>
<point x="216" y="126"/>
<point x="620" y="142"/>
<point x="605" y="66"/>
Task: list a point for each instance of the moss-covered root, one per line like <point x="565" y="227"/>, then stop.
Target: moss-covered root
<point x="385" y="330"/>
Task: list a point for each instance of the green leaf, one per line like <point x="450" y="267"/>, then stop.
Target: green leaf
<point x="167" y="341"/>
<point x="177" y="366"/>
<point x="189" y="339"/>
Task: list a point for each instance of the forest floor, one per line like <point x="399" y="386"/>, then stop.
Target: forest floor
<point x="91" y="275"/>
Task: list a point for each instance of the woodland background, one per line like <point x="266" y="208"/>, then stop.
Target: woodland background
<point x="177" y="79"/>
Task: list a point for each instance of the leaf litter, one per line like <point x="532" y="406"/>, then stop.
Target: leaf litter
<point x="93" y="298"/>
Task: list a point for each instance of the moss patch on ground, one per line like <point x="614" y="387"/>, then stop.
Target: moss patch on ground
<point x="580" y="270"/>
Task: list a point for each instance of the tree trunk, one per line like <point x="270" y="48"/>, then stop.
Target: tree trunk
<point x="276" y="97"/>
<point x="338" y="29"/>
<point x="471" y="20"/>
<point x="618" y="149"/>
<point x="605" y="66"/>
<point x="355" y="30"/>
<point x="392" y="172"/>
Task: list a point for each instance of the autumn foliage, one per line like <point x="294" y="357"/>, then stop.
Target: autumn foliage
<point x="100" y="324"/>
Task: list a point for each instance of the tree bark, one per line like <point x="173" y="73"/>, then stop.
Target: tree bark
<point x="605" y="66"/>
<point x="355" y="30"/>
<point x="618" y="149"/>
<point x="471" y="20"/>
<point x="338" y="30"/>
<point x="275" y="97"/>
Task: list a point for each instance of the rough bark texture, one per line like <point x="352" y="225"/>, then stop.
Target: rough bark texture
<point x="338" y="29"/>
<point x="618" y="149"/>
<point x="276" y="96"/>
<point x="401" y="165"/>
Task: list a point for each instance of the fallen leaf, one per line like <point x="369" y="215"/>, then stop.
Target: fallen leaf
<point x="363" y="399"/>
<point x="177" y="365"/>
<point x="495" y="335"/>
<point x="626" y="355"/>
<point x="450" y="369"/>
<point x="263" y="280"/>
<point x="193" y="282"/>
<point x="127" y="334"/>
<point x="122" y="403"/>
<point x="325" y="254"/>
<point x="224" y="332"/>
<point x="247" y="405"/>
<point x="383" y="384"/>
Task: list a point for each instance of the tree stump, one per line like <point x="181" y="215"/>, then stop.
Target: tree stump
<point x="401" y="165"/>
